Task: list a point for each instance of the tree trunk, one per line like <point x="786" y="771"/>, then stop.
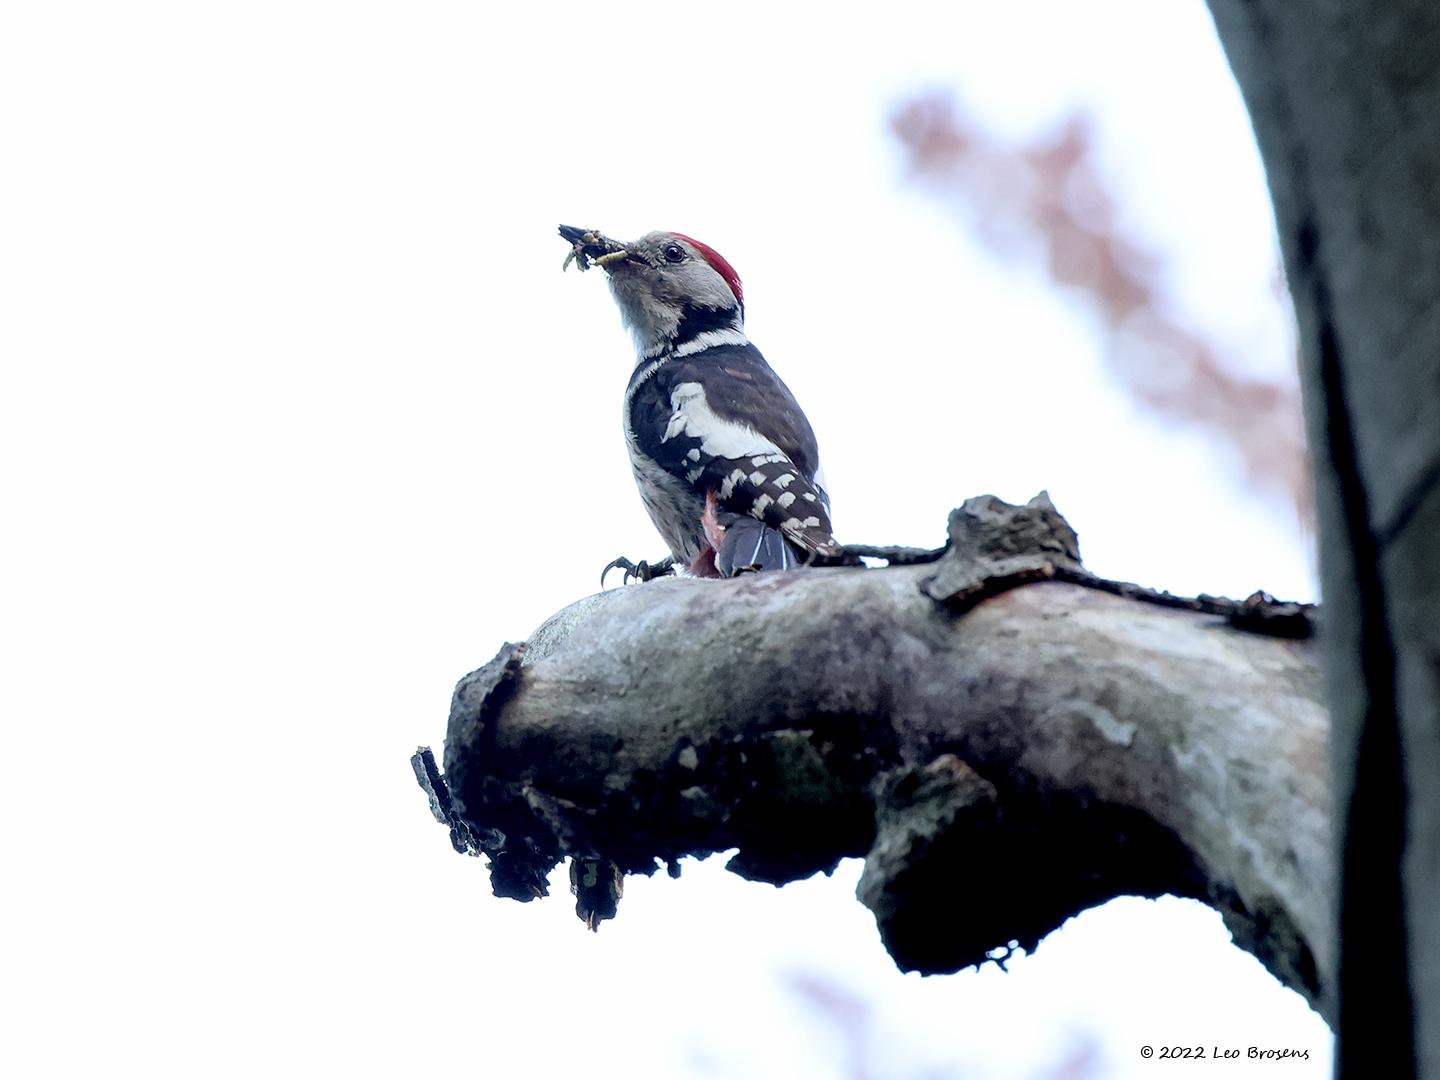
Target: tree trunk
<point x="1345" y="98"/>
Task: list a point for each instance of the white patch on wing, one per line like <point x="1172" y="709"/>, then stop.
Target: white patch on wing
<point x="795" y="524"/>
<point x="719" y="438"/>
<point x="761" y="504"/>
<point x="785" y="500"/>
<point x="728" y="485"/>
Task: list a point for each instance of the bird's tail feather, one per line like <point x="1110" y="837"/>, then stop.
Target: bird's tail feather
<point x="750" y="544"/>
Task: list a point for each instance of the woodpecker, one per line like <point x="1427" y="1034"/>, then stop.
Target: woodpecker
<point x="725" y="460"/>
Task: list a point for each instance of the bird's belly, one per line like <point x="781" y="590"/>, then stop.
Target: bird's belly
<point x="673" y="506"/>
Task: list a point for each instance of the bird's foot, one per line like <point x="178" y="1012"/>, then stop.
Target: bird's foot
<point x="641" y="571"/>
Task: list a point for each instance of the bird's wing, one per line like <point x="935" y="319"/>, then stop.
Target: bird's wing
<point x="723" y="421"/>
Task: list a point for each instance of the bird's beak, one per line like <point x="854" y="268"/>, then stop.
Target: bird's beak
<point x="588" y="245"/>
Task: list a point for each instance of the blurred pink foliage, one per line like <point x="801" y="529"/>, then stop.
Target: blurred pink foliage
<point x="852" y="1015"/>
<point x="855" y="1024"/>
<point x="1051" y="195"/>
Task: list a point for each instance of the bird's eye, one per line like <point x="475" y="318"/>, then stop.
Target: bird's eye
<point x="674" y="253"/>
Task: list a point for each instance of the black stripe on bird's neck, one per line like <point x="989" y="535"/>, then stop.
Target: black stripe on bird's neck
<point x="697" y="320"/>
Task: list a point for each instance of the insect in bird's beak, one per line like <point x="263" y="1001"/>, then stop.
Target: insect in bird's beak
<point x="589" y="246"/>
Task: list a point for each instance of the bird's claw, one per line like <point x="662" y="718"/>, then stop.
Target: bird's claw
<point x="641" y="571"/>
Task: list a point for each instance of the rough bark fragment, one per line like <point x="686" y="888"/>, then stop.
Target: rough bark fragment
<point x="518" y="865"/>
<point x="442" y="806"/>
<point x="995" y="546"/>
<point x="932" y="853"/>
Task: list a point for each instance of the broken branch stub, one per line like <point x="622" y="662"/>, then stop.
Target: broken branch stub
<point x="995" y="546"/>
<point x="1003" y="757"/>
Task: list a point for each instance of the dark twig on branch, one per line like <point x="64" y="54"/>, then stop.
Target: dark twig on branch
<point x="852" y="554"/>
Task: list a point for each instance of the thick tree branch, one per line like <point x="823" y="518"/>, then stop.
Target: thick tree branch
<point x="1001" y="761"/>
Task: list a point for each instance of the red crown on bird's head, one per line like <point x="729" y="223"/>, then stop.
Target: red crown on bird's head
<point x="721" y="265"/>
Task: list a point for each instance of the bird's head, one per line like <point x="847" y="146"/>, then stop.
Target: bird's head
<point x="670" y="288"/>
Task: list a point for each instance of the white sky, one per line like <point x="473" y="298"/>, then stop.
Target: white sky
<point x="301" y="420"/>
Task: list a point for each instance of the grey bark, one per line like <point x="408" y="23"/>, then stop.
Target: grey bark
<point x="1345" y="99"/>
<point x="1002" y="759"/>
